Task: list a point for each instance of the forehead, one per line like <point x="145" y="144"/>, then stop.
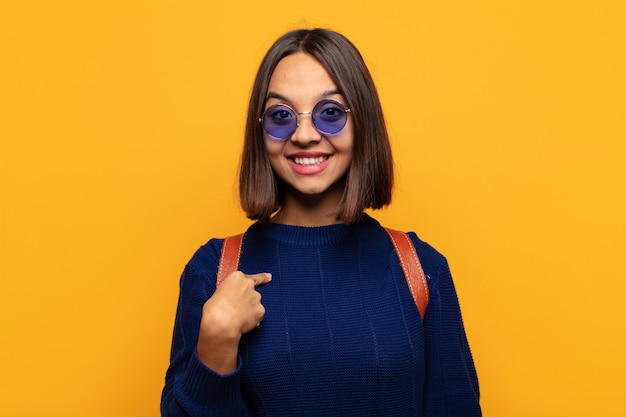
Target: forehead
<point x="300" y="76"/>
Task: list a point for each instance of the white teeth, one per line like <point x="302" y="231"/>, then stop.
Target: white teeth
<point x="310" y="161"/>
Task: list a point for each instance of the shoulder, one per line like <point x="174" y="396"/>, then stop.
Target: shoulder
<point x="430" y="258"/>
<point x="434" y="264"/>
<point x="428" y="255"/>
<point x="206" y="258"/>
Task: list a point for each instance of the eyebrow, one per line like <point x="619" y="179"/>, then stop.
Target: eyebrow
<point x="272" y="94"/>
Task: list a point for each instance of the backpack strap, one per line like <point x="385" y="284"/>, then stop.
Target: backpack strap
<point x="412" y="268"/>
<point x="407" y="255"/>
<point x="229" y="259"/>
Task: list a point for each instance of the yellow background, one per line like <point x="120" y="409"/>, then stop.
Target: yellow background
<point x="121" y="126"/>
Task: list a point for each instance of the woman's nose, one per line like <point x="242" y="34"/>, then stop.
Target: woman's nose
<point x="305" y="132"/>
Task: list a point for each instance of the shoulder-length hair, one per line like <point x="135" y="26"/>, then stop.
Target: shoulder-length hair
<point x="369" y="180"/>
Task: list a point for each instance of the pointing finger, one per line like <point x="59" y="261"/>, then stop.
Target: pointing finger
<point x="260" y="279"/>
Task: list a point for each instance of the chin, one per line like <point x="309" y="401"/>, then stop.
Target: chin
<point x="312" y="191"/>
<point x="319" y="190"/>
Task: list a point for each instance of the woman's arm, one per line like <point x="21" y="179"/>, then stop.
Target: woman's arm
<point x="203" y="376"/>
<point x="451" y="385"/>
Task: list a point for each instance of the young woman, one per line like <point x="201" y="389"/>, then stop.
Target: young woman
<point x="319" y="321"/>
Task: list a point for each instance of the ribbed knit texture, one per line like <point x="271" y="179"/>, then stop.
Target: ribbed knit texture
<point x="341" y="335"/>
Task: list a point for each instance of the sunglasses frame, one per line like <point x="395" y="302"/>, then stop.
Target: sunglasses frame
<point x="327" y="100"/>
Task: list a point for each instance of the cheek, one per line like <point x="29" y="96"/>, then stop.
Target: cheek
<point x="348" y="137"/>
<point x="345" y="143"/>
<point x="273" y="150"/>
<point x="271" y="146"/>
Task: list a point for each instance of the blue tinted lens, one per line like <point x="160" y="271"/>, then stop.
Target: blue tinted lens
<point x="279" y="121"/>
<point x="329" y="116"/>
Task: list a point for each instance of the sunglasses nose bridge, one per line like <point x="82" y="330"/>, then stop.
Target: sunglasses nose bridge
<point x="306" y="131"/>
<point x="300" y="114"/>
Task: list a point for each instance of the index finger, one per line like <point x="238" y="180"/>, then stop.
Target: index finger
<point x="260" y="279"/>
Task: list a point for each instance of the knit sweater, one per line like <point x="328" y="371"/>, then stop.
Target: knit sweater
<point x="341" y="336"/>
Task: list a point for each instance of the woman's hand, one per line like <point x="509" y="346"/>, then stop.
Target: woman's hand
<point x="234" y="309"/>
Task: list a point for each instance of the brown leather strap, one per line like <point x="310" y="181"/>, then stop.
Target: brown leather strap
<point x="412" y="268"/>
<point x="229" y="259"/>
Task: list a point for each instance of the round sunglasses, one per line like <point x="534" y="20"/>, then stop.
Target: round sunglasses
<point x="280" y="120"/>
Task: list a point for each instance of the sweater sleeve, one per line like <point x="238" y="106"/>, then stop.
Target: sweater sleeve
<point x="191" y="388"/>
<point x="451" y="384"/>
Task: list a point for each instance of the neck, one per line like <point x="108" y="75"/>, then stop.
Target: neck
<point x="309" y="210"/>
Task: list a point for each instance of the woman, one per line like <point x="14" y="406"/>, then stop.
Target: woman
<point x="319" y="321"/>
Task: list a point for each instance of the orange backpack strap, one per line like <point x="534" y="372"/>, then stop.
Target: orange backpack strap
<point x="229" y="259"/>
<point x="413" y="272"/>
<point x="412" y="268"/>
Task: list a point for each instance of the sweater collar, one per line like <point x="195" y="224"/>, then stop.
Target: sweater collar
<point x="312" y="235"/>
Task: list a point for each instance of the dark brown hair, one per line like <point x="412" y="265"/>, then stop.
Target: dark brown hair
<point x="369" y="180"/>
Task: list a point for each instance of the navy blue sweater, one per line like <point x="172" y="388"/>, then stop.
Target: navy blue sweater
<point x="341" y="335"/>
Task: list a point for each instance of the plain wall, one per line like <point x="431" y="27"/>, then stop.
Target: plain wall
<point x="121" y="126"/>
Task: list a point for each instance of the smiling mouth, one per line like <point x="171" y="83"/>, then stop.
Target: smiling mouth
<point x="310" y="161"/>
